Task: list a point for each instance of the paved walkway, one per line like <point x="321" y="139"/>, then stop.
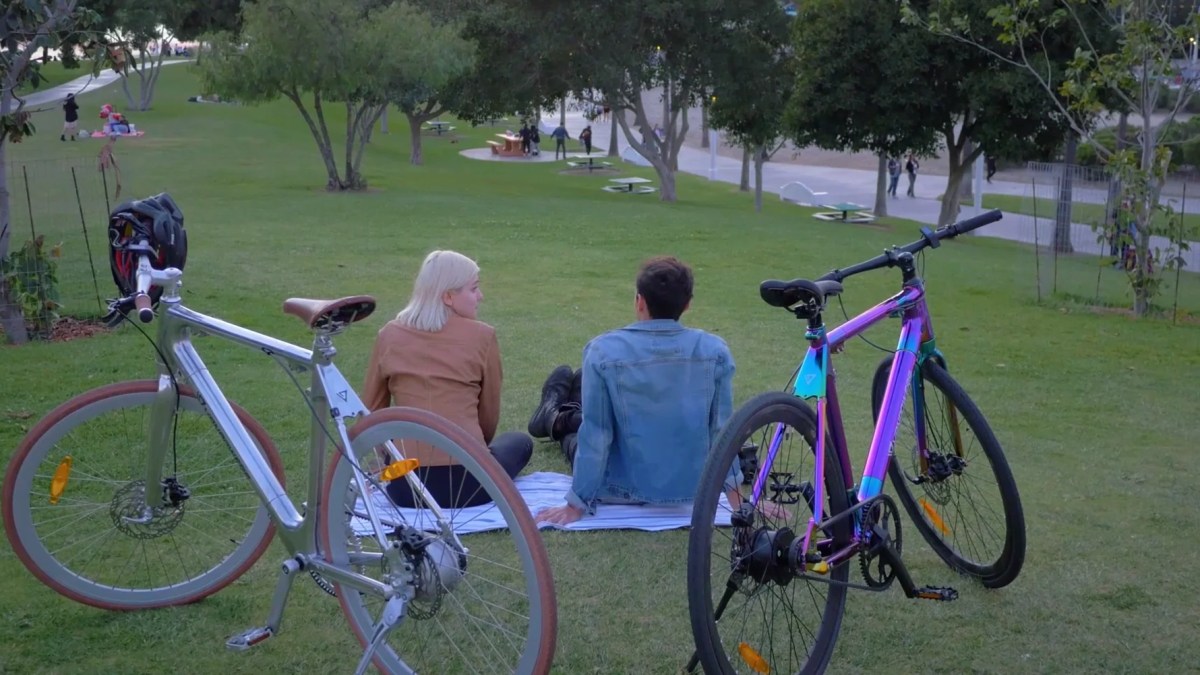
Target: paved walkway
<point x="858" y="186"/>
<point x="50" y="97"/>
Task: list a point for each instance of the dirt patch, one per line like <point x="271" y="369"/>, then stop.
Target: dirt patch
<point x="70" y="328"/>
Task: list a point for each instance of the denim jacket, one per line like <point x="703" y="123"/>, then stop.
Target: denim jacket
<point x="655" y="395"/>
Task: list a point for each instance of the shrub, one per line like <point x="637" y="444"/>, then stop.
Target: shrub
<point x="33" y="278"/>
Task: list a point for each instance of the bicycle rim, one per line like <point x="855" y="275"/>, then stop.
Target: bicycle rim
<point x="773" y="621"/>
<point x="490" y="610"/>
<point x="86" y="544"/>
<point x="962" y="497"/>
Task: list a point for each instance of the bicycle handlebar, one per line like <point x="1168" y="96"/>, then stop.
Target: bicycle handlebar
<point x="141" y="297"/>
<point x="929" y="238"/>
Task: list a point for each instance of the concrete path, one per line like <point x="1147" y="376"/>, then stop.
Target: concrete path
<point x="858" y="186"/>
<point x="50" y="97"/>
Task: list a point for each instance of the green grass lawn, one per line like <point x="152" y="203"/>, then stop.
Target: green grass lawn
<point x="1081" y="212"/>
<point x="1097" y="412"/>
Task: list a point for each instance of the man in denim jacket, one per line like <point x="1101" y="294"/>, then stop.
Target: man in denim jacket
<point x="637" y="420"/>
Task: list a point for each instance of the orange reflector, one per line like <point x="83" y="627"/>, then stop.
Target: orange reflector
<point x="399" y="469"/>
<point x="58" y="484"/>
<point x="753" y="658"/>
<point x="934" y="517"/>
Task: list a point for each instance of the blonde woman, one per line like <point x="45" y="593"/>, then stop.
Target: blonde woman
<point x="437" y="356"/>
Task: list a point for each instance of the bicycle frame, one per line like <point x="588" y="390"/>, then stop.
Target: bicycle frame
<point x="816" y="379"/>
<point x="297" y="531"/>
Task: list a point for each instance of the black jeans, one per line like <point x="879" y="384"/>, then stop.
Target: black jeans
<point x="453" y="487"/>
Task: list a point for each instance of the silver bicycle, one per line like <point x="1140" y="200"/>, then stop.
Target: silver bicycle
<point x="134" y="496"/>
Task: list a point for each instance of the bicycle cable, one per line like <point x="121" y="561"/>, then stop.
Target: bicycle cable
<point x="174" y="385"/>
<point x="860" y="335"/>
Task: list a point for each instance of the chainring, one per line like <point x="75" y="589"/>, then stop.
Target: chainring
<point x="882" y="515"/>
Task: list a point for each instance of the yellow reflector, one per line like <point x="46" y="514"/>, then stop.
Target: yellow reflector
<point x="934" y="517"/>
<point x="753" y="658"/>
<point x="58" y="484"/>
<point x="820" y="567"/>
<point x="399" y="469"/>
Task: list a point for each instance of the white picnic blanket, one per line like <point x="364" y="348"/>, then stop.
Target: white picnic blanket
<point x="545" y="489"/>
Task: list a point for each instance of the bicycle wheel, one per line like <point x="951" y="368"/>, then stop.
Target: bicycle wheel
<point x="84" y="543"/>
<point x="962" y="497"/>
<point x="488" y="608"/>
<point x="750" y="610"/>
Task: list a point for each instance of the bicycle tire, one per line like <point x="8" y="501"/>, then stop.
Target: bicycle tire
<point x="516" y="555"/>
<point x="105" y="577"/>
<point x="938" y="511"/>
<point x="769" y="409"/>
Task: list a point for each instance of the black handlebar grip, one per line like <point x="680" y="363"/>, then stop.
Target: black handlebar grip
<point x="142" y="303"/>
<point x="976" y="222"/>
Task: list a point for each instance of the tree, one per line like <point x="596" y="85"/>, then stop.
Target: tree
<point x="860" y="84"/>
<point x="1126" y="50"/>
<point x="139" y="41"/>
<point x="961" y="95"/>
<point x="613" y="52"/>
<point x="314" y="52"/>
<point x="27" y="27"/>
<point x="753" y="81"/>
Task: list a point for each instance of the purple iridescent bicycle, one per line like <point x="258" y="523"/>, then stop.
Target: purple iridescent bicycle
<point x="767" y="592"/>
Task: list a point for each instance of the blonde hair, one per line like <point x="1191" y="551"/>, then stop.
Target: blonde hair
<point x="442" y="271"/>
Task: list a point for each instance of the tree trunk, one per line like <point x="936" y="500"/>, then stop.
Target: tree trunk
<point x="12" y="319"/>
<point x="959" y="162"/>
<point x="562" y="112"/>
<point x="704" y="126"/>
<point x="383" y="121"/>
<point x="414" y="138"/>
<point x="320" y="135"/>
<point x="1062" y="214"/>
<point x="744" y="185"/>
<point x="760" y="158"/>
<point x="966" y="187"/>
<point x="660" y="154"/>
<point x="881" y="186"/>
<point x="612" y="134"/>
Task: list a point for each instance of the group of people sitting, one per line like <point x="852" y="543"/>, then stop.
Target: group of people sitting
<point x="635" y="421"/>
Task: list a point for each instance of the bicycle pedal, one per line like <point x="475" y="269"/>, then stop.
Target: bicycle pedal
<point x="248" y="638"/>
<point x="943" y="593"/>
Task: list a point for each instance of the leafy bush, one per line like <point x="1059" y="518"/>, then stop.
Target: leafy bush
<point x="33" y="278"/>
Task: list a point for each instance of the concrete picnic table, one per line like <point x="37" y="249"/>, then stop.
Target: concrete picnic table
<point x="627" y="185"/>
<point x="845" y="208"/>
<point x="590" y="163"/>
<point x="439" y="126"/>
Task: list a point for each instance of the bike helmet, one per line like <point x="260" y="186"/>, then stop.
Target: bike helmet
<point x="153" y="226"/>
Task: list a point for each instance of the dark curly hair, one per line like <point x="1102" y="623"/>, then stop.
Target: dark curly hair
<point x="665" y="283"/>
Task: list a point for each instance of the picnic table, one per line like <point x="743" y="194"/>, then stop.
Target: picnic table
<point x="845" y="209"/>
<point x="511" y="146"/>
<point x="440" y="126"/>
<point x="584" y="159"/>
<point x="632" y="184"/>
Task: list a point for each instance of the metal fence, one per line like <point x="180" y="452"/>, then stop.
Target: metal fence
<point x="1073" y="229"/>
<point x="64" y="204"/>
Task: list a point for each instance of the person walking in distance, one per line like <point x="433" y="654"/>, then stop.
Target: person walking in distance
<point x="560" y="140"/>
<point x="910" y="167"/>
<point x="586" y="137"/>
<point x="893" y="169"/>
<point x="71" y="118"/>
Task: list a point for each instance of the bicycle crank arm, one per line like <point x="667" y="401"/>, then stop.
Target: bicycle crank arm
<point x="945" y="593"/>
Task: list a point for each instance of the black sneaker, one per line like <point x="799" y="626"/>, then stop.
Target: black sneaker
<point x="554" y="394"/>
<point x="576" y="395"/>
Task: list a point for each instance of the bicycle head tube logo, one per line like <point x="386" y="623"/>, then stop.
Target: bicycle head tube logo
<point x="810" y="381"/>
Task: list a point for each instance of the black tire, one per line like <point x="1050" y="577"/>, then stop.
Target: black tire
<point x="971" y="517"/>
<point x="766" y="608"/>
